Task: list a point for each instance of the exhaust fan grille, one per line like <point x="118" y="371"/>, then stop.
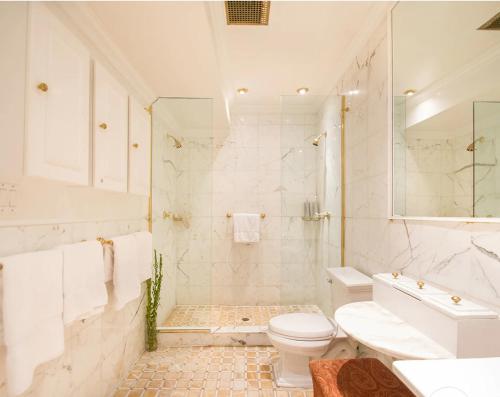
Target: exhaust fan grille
<point x="492" y="24"/>
<point x="247" y="12"/>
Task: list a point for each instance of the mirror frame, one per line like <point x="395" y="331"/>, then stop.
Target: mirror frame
<point x="390" y="176"/>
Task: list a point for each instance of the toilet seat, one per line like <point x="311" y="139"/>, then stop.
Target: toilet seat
<point x="302" y="327"/>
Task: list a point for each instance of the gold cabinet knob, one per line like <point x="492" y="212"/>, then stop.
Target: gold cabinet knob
<point x="395" y="275"/>
<point x="135" y="145"/>
<point x="43" y="87"/>
<point x="103" y="126"/>
<point x="456" y="299"/>
<point x="420" y="284"/>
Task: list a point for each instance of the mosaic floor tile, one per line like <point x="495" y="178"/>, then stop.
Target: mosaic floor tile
<point x="206" y="372"/>
<point x="230" y="316"/>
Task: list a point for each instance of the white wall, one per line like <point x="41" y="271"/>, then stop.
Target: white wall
<point x="42" y="215"/>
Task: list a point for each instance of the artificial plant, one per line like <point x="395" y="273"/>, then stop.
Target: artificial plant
<point x="153" y="295"/>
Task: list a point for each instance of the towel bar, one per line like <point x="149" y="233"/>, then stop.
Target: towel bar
<point x="100" y="239"/>
<point x="262" y="215"/>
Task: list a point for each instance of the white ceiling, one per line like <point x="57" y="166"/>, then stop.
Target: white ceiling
<point x="185" y="49"/>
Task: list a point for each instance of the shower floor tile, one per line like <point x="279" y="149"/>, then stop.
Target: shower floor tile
<point x="206" y="372"/>
<point x="230" y="316"/>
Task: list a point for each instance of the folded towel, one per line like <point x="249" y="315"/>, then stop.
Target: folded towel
<point x="145" y="254"/>
<point x="83" y="281"/>
<point x="127" y="285"/>
<point x="32" y="314"/>
<point x="246" y="228"/>
<point x="108" y="262"/>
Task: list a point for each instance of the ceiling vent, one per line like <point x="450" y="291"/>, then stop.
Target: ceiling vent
<point x="492" y="24"/>
<point x="247" y="12"/>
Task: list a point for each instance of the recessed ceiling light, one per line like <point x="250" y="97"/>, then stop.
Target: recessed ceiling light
<point x="242" y="91"/>
<point x="410" y="92"/>
<point x="302" y="90"/>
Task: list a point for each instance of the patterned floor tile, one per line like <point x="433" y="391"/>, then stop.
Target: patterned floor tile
<point x="206" y="372"/>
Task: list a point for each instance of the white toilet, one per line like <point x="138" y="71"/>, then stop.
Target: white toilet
<point x="302" y="336"/>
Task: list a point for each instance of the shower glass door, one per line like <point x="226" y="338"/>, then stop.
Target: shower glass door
<point x="310" y="184"/>
<point x="182" y="207"/>
<point x="486" y="149"/>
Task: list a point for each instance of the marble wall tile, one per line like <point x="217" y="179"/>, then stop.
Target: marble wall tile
<point x="98" y="351"/>
<point x="461" y="257"/>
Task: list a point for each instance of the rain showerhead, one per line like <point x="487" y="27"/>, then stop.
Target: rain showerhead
<point x="318" y="139"/>
<point x="177" y="143"/>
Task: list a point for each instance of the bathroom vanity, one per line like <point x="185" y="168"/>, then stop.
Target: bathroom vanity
<point x="409" y="319"/>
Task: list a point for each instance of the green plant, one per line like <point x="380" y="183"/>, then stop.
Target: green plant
<point x="153" y="295"/>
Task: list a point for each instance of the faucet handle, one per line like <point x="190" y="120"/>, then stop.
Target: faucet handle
<point x="420" y="284"/>
<point x="395" y="275"/>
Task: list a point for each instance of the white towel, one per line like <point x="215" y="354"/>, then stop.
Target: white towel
<point x="32" y="314"/>
<point x="83" y="281"/>
<point x="144" y="254"/>
<point x="127" y="285"/>
<point x="108" y="262"/>
<point x="246" y="228"/>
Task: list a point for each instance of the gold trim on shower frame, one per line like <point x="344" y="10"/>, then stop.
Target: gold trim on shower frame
<point x="343" y="110"/>
<point x="149" y="109"/>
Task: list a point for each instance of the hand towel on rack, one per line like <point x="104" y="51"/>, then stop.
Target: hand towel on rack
<point x="108" y="262"/>
<point x="32" y="314"/>
<point x="127" y="285"/>
<point x="246" y="228"/>
<point x="144" y="254"/>
<point x="83" y="281"/>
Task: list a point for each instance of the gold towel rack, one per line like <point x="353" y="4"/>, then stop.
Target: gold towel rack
<point x="100" y="239"/>
<point x="262" y="215"/>
<point x="103" y="241"/>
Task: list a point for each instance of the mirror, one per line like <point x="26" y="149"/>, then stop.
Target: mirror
<point x="446" y="109"/>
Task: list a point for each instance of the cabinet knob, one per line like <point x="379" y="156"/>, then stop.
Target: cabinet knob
<point x="456" y="299"/>
<point x="103" y="126"/>
<point x="43" y="87"/>
<point x="135" y="145"/>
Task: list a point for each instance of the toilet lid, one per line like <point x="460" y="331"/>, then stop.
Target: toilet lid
<point x="302" y="325"/>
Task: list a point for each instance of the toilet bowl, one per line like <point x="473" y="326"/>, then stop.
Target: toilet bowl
<point x="299" y="337"/>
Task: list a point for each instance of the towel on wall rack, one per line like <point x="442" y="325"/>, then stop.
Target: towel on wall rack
<point x="126" y="275"/>
<point x="83" y="280"/>
<point x="246" y="228"/>
<point x="32" y="314"/>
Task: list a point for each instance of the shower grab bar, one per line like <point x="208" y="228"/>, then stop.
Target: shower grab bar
<point x="262" y="215"/>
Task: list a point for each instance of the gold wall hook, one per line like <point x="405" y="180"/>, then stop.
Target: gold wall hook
<point x="103" y="126"/>
<point x="420" y="284"/>
<point x="43" y="87"/>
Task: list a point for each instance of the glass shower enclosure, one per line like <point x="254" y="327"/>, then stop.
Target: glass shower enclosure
<point x="182" y="199"/>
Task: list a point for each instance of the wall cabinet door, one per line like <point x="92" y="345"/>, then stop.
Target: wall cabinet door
<point x="110" y="131"/>
<point x="139" y="148"/>
<point x="57" y="101"/>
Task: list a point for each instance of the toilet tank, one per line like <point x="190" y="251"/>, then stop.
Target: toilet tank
<point x="348" y="285"/>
